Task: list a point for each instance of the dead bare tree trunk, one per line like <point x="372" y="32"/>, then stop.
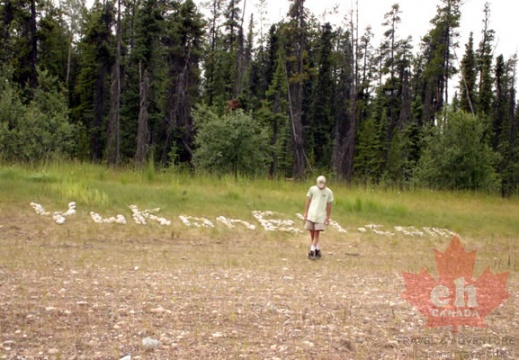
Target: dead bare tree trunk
<point x="239" y="61"/>
<point x="178" y="120"/>
<point x="295" y="78"/>
<point x="114" y="137"/>
<point x="346" y="128"/>
<point x="143" y="130"/>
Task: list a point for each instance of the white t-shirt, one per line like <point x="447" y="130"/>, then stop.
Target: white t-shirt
<point x="320" y="198"/>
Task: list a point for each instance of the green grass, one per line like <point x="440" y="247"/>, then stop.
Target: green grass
<point x="103" y="190"/>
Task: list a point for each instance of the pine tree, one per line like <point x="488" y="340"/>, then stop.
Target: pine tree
<point x="73" y="11"/>
<point x="96" y="49"/>
<point x="19" y="47"/>
<point x="263" y="66"/>
<point x="390" y="47"/>
<point x="53" y="42"/>
<point x="467" y="84"/>
<point x="273" y="115"/>
<point x="484" y="65"/>
<point x="184" y="54"/>
<point x="504" y="125"/>
<point x="320" y="118"/>
<point x="438" y="55"/>
<point x="345" y="111"/>
<point x="297" y="73"/>
<point x="214" y="85"/>
<point x="146" y="53"/>
<point x="113" y="146"/>
<point x="246" y="97"/>
<point x="404" y="61"/>
<point x="232" y="57"/>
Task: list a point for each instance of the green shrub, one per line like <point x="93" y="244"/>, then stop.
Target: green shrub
<point x="38" y="130"/>
<point x="233" y="143"/>
<point x="457" y="156"/>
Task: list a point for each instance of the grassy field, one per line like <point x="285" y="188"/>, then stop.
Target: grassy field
<point x="83" y="290"/>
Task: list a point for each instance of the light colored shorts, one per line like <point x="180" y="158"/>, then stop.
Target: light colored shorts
<point x="310" y="225"/>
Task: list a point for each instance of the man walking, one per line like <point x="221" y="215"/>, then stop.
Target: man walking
<point x="317" y="213"/>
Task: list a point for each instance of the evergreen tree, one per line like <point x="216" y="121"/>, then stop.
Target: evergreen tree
<point x="224" y="63"/>
<point x="260" y="71"/>
<point x="96" y="48"/>
<point x="395" y="93"/>
<point x="345" y="111"/>
<point x="404" y="60"/>
<point x="390" y="48"/>
<point x="369" y="157"/>
<point x="365" y="64"/>
<point x="504" y="125"/>
<point x="146" y="55"/>
<point x="297" y="72"/>
<point x="438" y="55"/>
<point x="214" y="82"/>
<point x="404" y="154"/>
<point x="184" y="44"/>
<point x="113" y="146"/>
<point x="273" y="115"/>
<point x="246" y="96"/>
<point x="53" y="42"/>
<point x="320" y="118"/>
<point x="484" y="65"/>
<point x="130" y="98"/>
<point x="73" y="11"/>
<point x="467" y="84"/>
<point x="19" y="45"/>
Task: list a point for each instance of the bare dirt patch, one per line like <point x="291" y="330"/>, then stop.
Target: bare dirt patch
<point x="70" y="292"/>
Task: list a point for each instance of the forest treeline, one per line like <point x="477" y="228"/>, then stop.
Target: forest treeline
<point x="197" y="85"/>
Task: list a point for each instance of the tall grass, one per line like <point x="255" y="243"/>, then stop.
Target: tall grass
<point x="98" y="188"/>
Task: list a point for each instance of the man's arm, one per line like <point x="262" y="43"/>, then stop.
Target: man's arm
<point x="328" y="213"/>
<point x="307" y="206"/>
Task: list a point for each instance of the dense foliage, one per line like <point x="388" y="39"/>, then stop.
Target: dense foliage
<point x="119" y="82"/>
<point x="232" y="143"/>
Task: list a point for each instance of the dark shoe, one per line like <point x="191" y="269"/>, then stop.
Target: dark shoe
<point x="318" y="254"/>
<point x="311" y="255"/>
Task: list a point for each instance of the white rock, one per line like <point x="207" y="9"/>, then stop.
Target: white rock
<point x="157" y="310"/>
<point x="120" y="219"/>
<point x="58" y="218"/>
<point x="150" y="343"/>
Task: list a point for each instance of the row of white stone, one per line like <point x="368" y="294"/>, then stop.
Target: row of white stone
<point x="263" y="217"/>
<point x="408" y="230"/>
<point x="58" y="216"/>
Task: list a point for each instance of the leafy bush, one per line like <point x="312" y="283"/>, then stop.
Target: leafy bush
<point x="457" y="156"/>
<point x="38" y="129"/>
<point x="233" y="143"/>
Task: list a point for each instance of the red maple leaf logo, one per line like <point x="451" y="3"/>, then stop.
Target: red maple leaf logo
<point x="456" y="298"/>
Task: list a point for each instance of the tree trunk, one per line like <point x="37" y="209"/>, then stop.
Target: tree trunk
<point x="143" y="130"/>
<point x="33" y="80"/>
<point x="114" y="137"/>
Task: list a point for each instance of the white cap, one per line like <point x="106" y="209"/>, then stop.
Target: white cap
<point x="321" y="181"/>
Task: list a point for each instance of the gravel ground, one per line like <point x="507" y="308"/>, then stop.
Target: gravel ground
<point x="168" y="296"/>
